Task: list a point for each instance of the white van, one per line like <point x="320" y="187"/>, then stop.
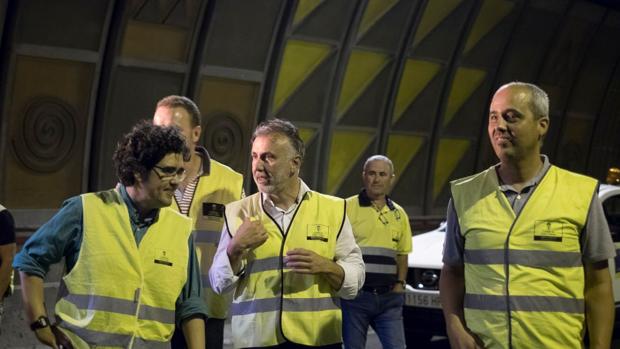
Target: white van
<point x="422" y="314"/>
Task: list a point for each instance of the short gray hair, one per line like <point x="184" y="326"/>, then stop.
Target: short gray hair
<point x="379" y="158"/>
<point x="284" y="128"/>
<point x="539" y="100"/>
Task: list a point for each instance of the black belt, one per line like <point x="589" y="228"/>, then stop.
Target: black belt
<point x="377" y="289"/>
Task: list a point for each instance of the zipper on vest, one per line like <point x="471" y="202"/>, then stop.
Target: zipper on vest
<point x="136" y="299"/>
<point x="284" y="236"/>
<point x="507" y="257"/>
<point x="507" y="282"/>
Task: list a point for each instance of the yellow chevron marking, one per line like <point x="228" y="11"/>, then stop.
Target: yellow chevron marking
<point x="374" y="11"/>
<point x="434" y="13"/>
<point x="416" y="76"/>
<point x="307" y="134"/>
<point x="491" y="13"/>
<point x="300" y="59"/>
<point x="465" y="83"/>
<point x="362" y="69"/>
<point x="450" y="152"/>
<point x="401" y="149"/>
<point x="346" y="149"/>
<point x="304" y="8"/>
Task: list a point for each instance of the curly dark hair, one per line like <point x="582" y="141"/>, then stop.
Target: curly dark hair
<point x="142" y="148"/>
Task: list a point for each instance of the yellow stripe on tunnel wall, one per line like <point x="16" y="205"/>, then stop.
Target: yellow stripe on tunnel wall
<point x="300" y="59"/>
<point x="450" y="153"/>
<point x="345" y="151"/>
<point x="416" y="76"/>
<point x="362" y="68"/>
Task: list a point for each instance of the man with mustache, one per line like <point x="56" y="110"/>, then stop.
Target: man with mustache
<point x="525" y="258"/>
<point x="132" y="272"/>
<point x="208" y="186"/>
<point x="287" y="251"/>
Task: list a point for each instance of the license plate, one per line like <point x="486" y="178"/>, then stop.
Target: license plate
<point x="422" y="300"/>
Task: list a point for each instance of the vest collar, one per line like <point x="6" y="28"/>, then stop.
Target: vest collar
<point x="364" y="200"/>
<point x="303" y="189"/>
<point x="133" y="211"/>
<point x="206" y="160"/>
<point x="531" y="183"/>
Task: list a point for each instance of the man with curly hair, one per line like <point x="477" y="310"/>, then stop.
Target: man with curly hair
<point x="132" y="273"/>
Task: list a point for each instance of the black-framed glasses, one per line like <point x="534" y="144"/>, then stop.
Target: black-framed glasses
<point x="169" y="172"/>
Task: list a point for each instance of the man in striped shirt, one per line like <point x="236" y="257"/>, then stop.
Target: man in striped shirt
<point x="209" y="186"/>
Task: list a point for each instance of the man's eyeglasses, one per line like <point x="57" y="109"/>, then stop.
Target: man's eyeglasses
<point x="384" y="219"/>
<point x="169" y="172"/>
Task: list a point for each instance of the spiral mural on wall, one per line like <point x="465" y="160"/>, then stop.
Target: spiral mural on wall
<point x="46" y="134"/>
<point x="224" y="138"/>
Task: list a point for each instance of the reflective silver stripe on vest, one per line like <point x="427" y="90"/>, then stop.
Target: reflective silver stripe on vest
<point x="258" y="265"/>
<point x="207" y="236"/>
<point x="525" y="257"/>
<point x="140" y="343"/>
<point x="97" y="337"/>
<point x="311" y="304"/>
<point x="290" y="304"/>
<point x="165" y="316"/>
<point x="524" y="303"/>
<point x="102" y="303"/>
<point x="380" y="268"/>
<point x="120" y="306"/>
<point x="255" y="306"/>
<point x="378" y="251"/>
<point x="104" y="339"/>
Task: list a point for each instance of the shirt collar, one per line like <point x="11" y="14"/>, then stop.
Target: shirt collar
<point x="303" y="189"/>
<point x="206" y="159"/>
<point x="133" y="211"/>
<point x="532" y="182"/>
<point x="365" y="201"/>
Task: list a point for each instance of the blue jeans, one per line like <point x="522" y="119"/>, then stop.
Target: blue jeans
<point x="384" y="312"/>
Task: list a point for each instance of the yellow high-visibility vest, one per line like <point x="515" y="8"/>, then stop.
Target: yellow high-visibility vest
<point x="381" y="235"/>
<point x="118" y="294"/>
<point x="273" y="304"/>
<point x="222" y="186"/>
<point x="524" y="276"/>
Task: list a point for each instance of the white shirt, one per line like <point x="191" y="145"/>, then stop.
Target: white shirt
<point x="348" y="254"/>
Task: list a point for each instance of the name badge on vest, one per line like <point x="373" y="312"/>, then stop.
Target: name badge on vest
<point x="548" y="231"/>
<point x="162" y="257"/>
<point x="213" y="211"/>
<point x="317" y="232"/>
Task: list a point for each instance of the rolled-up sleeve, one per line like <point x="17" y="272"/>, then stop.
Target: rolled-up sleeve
<point x="221" y="275"/>
<point x="190" y="303"/>
<point x="60" y="236"/>
<point x="349" y="257"/>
